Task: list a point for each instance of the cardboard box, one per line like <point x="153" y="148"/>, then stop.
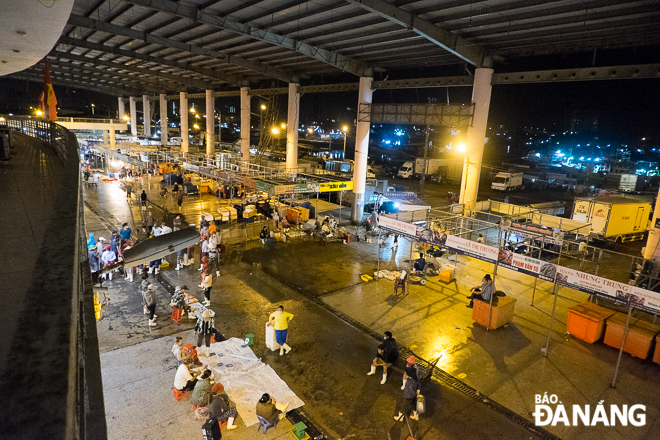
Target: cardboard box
<point x="501" y="313"/>
<point x="586" y="321"/>
<point x="639" y="339"/>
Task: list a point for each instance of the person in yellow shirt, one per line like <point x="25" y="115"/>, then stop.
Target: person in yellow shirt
<point x="280" y="321"/>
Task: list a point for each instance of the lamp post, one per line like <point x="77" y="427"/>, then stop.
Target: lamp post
<point x="92" y="108"/>
<point x="345" y="130"/>
<point x="261" y="122"/>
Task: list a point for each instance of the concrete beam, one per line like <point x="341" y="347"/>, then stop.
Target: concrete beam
<point x="107" y="89"/>
<point x="139" y="84"/>
<point x="210" y="74"/>
<point x="454" y="44"/>
<point x="187" y="81"/>
<point x="90" y="124"/>
<point x="542" y="76"/>
<point x="101" y="26"/>
<point x="347" y="64"/>
<point x="638" y="71"/>
<point x="95" y="80"/>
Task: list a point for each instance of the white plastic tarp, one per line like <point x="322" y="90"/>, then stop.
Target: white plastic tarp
<point x="246" y="378"/>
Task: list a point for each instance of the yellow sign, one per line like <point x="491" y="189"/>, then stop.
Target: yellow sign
<point x="335" y="186"/>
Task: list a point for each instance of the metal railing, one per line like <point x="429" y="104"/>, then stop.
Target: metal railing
<point x="66" y="257"/>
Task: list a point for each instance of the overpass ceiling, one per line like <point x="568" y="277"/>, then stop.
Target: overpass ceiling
<point x="238" y="42"/>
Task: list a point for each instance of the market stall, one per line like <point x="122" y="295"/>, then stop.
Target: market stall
<point x="246" y="378"/>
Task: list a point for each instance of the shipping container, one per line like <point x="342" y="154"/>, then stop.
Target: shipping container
<point x="616" y="219"/>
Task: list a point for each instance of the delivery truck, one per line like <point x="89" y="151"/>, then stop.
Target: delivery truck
<point x="422" y="166"/>
<point x="507" y="181"/>
<point x="623" y="182"/>
<point x="614" y="219"/>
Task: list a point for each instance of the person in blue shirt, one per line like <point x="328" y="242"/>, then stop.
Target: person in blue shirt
<point x="420" y="263"/>
<point x="125" y="232"/>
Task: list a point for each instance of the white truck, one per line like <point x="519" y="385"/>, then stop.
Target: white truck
<point x="415" y="169"/>
<point x="615" y="219"/>
<point x="507" y="181"/>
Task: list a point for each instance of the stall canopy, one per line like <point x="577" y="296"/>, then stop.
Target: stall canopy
<point x="407" y="201"/>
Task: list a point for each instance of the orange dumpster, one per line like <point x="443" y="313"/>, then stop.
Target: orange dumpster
<point x="656" y="355"/>
<point x="586" y="321"/>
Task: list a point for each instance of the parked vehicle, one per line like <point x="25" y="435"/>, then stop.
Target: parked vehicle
<point x="507" y="181"/>
<point x="425" y="166"/>
<point x="406" y="171"/>
<point x="615" y="219"/>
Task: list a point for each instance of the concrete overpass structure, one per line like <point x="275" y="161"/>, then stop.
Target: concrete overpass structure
<point x="150" y="47"/>
<point x="147" y="48"/>
<point x="159" y="50"/>
<point x="107" y="126"/>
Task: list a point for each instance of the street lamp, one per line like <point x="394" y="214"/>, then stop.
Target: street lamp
<point x="92" y="108"/>
<point x="275" y="130"/>
<point x="39" y="113"/>
<point x="126" y="118"/>
<point x="261" y="123"/>
<point x="196" y="127"/>
<point x="345" y="130"/>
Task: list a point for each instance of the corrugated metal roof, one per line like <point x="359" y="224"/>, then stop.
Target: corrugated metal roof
<point x="503" y="29"/>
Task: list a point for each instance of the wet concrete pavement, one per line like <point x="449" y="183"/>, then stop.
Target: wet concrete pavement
<point x="506" y="364"/>
<point x="327" y="369"/>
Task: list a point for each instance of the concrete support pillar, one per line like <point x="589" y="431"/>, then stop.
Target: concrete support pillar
<point x="292" y="128"/>
<point x="245" y="124"/>
<point x="210" y="124"/>
<point x="474" y="150"/>
<point x="361" y="150"/>
<point x="183" y="104"/>
<point x="651" y="251"/>
<point x="163" y="119"/>
<point x="106" y="142"/>
<point x="146" y="115"/>
<point x="133" y="117"/>
<point x="112" y="138"/>
<point x="122" y="109"/>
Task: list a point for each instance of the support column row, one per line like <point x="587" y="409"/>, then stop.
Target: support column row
<point x="133" y="117"/>
<point x="163" y="119"/>
<point x="292" y="128"/>
<point x="361" y="150"/>
<point x="210" y="124"/>
<point x="146" y="116"/>
<point x="474" y="150"/>
<point x="245" y="124"/>
<point x="183" y="110"/>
